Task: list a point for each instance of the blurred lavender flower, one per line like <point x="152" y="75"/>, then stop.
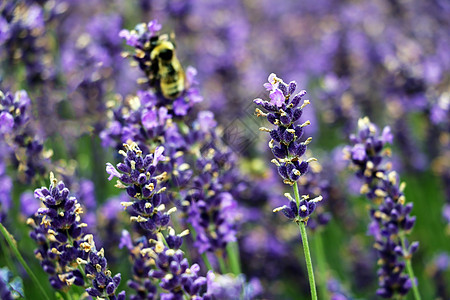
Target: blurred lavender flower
<point x="5" y="184"/>
<point x="337" y="292"/>
<point x="391" y="219"/>
<point x="20" y="135"/>
<point x="28" y="204"/>
<point x="210" y="210"/>
<point x="436" y="270"/>
<point x="228" y="287"/>
<point x="10" y="288"/>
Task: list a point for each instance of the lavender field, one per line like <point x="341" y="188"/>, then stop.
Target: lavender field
<point x="175" y="150"/>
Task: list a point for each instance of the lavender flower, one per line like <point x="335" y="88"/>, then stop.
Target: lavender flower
<point x="102" y="284"/>
<point x="63" y="246"/>
<point x="391" y="219"/>
<point x="198" y="164"/>
<point x="172" y="268"/>
<point x="210" y="209"/>
<point x="137" y="175"/>
<point x="17" y="130"/>
<point x="229" y="287"/>
<point x="285" y="143"/>
<point x="337" y="291"/>
<point x="285" y="112"/>
<point x="437" y="269"/>
<point x="10" y="288"/>
<point x="161" y="261"/>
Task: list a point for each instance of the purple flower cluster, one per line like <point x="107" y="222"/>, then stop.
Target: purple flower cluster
<point x="153" y="255"/>
<point x="102" y="284"/>
<point x="20" y="136"/>
<point x="10" y="288"/>
<point x="137" y="175"/>
<point x="22" y="33"/>
<point x="160" y="261"/>
<point x="284" y="112"/>
<point x="230" y="287"/>
<point x="64" y="246"/>
<point x="286" y="145"/>
<point x="210" y="209"/>
<point x="198" y="165"/>
<point x="391" y="219"/>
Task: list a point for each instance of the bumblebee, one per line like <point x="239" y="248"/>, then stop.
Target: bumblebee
<point x="167" y="69"/>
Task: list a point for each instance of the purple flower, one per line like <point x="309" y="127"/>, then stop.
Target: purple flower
<point x="386" y="135"/>
<point x="6" y="122"/>
<point x="206" y="120"/>
<point x="154" y="27"/>
<point x="131" y="38"/>
<point x="391" y="219"/>
<point x="446" y="213"/>
<point x="158" y="155"/>
<point x="272" y="83"/>
<point x="111" y="170"/>
<point x="358" y="152"/>
<point x="28" y="203"/>
<point x="125" y="240"/>
<point x="277" y="97"/>
<point x="284" y="111"/>
<point x="63" y="244"/>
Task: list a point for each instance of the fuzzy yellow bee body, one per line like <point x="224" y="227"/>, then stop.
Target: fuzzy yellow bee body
<point x="168" y="69"/>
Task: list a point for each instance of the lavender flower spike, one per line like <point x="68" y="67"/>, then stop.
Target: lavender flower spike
<point x="391" y="219"/>
<point x="64" y="248"/>
<point x="283" y="111"/>
<point x="137" y="175"/>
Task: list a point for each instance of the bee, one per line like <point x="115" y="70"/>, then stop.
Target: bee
<point x="167" y="69"/>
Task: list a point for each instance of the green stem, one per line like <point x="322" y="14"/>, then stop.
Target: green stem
<point x="410" y="271"/>
<point x="9" y="263"/>
<point x="321" y="265"/>
<point x="204" y="256"/>
<point x="309" y="266"/>
<point x="206" y="261"/>
<point x="222" y="264"/>
<point x="65" y="296"/>
<point x="233" y="255"/>
<point x="21" y="260"/>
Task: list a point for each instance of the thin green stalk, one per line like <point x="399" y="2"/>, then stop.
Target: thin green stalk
<point x="204" y="256"/>
<point x="65" y="296"/>
<point x="321" y="265"/>
<point x="233" y="256"/>
<point x="312" y="283"/>
<point x="411" y="272"/>
<point x="223" y="268"/>
<point x="62" y="295"/>
<point x="9" y="263"/>
<point x="206" y="261"/>
<point x="22" y="261"/>
<point x="309" y="267"/>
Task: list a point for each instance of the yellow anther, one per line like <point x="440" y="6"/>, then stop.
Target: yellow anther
<point x="279" y="208"/>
